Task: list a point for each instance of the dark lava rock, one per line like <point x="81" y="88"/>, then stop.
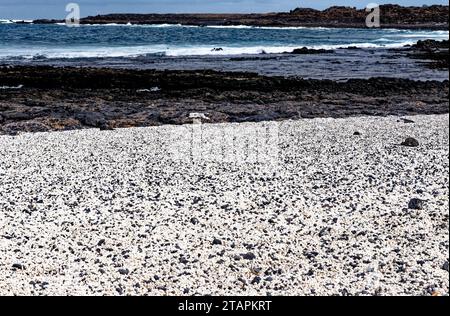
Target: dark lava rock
<point x="101" y="242"/>
<point x="105" y="126"/>
<point x="445" y="266"/>
<point x="325" y="232"/>
<point x="194" y="221"/>
<point x="256" y="280"/>
<point x="27" y="126"/>
<point x="311" y="254"/>
<point x="308" y="51"/>
<point x="430" y="50"/>
<point x="18" y="266"/>
<point x="431" y="44"/>
<point x="242" y="281"/>
<point x="124" y="271"/>
<point x="91" y="119"/>
<point x="183" y="260"/>
<point x="72" y="98"/>
<point x="216" y="242"/>
<point x="406" y="121"/>
<point x="248" y="256"/>
<point x="411" y="142"/>
<point x="357" y="133"/>
<point x="394" y="16"/>
<point x="416" y="204"/>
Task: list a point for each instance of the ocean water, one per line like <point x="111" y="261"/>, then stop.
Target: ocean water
<point x="93" y="41"/>
<point x="185" y="47"/>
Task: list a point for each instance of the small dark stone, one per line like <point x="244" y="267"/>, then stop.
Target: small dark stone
<point x="217" y="242"/>
<point x="256" y="280"/>
<point x="406" y="121"/>
<point x="194" y="221"/>
<point x="18" y="266"/>
<point x="183" y="260"/>
<point x="119" y="290"/>
<point x="248" y="256"/>
<point x="311" y="254"/>
<point x="242" y="281"/>
<point x="416" y="204"/>
<point x="357" y="133"/>
<point x="124" y="271"/>
<point x="325" y="232"/>
<point x="445" y="266"/>
<point x="411" y="142"/>
<point x="101" y="242"/>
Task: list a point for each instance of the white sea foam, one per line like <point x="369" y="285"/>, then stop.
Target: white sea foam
<point x="11" y="88"/>
<point x="388" y="39"/>
<point x="7" y="21"/>
<point x="173" y="51"/>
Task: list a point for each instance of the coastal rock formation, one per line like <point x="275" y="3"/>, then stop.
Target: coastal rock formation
<point x="435" y="51"/>
<point x="308" y="51"/>
<point x="433" y="17"/>
<point x="72" y="98"/>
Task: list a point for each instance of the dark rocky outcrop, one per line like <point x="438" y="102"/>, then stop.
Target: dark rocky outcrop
<point x="435" y="52"/>
<point x="310" y="51"/>
<point x="72" y="98"/>
<point x="432" y="17"/>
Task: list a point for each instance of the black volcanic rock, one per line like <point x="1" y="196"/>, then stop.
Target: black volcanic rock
<point x="416" y="204"/>
<point x="307" y="51"/>
<point x="393" y="16"/>
<point x="55" y="99"/>
<point x="411" y="142"/>
<point x="436" y="52"/>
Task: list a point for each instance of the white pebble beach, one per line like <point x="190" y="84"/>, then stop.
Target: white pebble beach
<point x="137" y="212"/>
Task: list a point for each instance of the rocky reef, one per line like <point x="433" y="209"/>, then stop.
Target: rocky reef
<point x="35" y="99"/>
<point x="435" y="51"/>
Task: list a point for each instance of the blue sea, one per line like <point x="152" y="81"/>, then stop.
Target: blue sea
<point x="176" y="46"/>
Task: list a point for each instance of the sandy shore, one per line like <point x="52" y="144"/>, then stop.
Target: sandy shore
<point x="305" y="207"/>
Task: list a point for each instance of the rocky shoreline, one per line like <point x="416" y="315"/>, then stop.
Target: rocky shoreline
<point x="37" y="99"/>
<point x="392" y="16"/>
<point x="435" y="51"/>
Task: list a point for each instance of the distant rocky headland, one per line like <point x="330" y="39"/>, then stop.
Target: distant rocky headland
<point x="392" y="16"/>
